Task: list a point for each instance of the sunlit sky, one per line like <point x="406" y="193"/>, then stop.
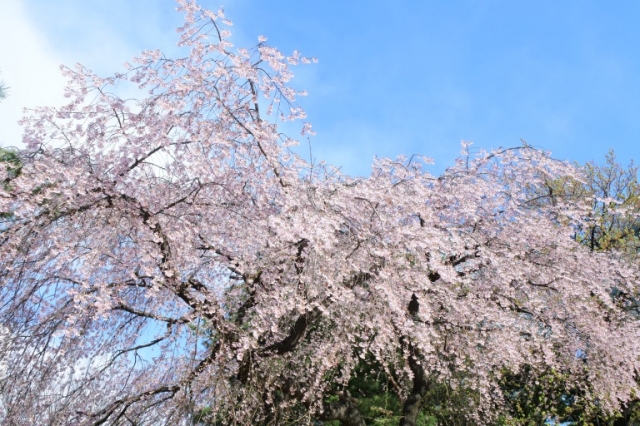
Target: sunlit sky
<point x="401" y="77"/>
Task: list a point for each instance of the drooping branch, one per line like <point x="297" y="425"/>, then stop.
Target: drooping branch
<point x="288" y="344"/>
<point x="120" y="406"/>
<point x="150" y="315"/>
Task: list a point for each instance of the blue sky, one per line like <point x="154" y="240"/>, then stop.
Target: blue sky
<point x="393" y="78"/>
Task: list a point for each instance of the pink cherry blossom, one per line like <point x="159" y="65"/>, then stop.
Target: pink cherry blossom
<point x="171" y="256"/>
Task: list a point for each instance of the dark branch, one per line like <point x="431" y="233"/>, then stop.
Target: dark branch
<point x="344" y="411"/>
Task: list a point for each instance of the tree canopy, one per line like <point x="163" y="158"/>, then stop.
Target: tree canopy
<point x="170" y="260"/>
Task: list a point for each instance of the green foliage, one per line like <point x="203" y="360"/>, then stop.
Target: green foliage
<point x="446" y="403"/>
<point x="377" y="404"/>
<point x="10" y="161"/>
<point x="451" y="405"/>
<point x="534" y="399"/>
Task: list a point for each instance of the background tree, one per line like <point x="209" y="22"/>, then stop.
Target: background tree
<point x="3" y="90"/>
<point x="615" y="199"/>
<point x="170" y="260"/>
<point x="612" y="194"/>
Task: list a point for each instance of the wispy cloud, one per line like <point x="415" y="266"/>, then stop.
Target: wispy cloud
<point x="42" y="35"/>
<point x="29" y="67"/>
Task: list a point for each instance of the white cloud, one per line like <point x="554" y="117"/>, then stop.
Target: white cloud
<point x="39" y="36"/>
<point x="28" y="66"/>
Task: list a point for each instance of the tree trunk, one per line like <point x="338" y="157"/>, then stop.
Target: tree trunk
<point x="413" y="403"/>
<point x="626" y="420"/>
